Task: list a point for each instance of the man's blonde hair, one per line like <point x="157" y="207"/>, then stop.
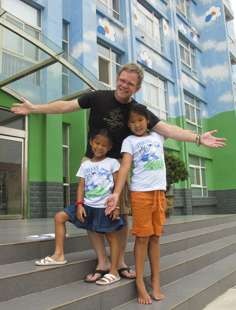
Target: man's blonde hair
<point x="133" y="67"/>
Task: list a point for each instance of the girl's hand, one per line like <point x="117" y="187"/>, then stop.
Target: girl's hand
<point x="111" y="203"/>
<point x="81" y="213"/>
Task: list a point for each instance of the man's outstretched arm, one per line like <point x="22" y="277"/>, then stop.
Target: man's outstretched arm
<point x="177" y="133"/>
<point x="56" y="107"/>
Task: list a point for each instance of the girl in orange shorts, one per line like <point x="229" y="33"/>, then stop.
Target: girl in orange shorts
<point x="143" y="151"/>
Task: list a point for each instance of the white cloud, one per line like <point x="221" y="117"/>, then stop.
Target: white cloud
<point x="199" y="21"/>
<point x="207" y="1"/>
<point x="226" y="97"/>
<point x="173" y="100"/>
<point x="189" y="82"/>
<point x="218" y="72"/>
<point x="214" y="45"/>
<point x="80" y="48"/>
<point x="90" y="36"/>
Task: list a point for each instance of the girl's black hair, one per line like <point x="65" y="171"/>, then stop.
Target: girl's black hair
<point x="103" y="132"/>
<point x="139" y="109"/>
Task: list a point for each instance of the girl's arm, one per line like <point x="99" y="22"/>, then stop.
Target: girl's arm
<point x="125" y="166"/>
<point x="80" y="211"/>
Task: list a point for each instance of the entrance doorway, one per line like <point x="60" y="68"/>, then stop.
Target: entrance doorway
<point x="12" y="165"/>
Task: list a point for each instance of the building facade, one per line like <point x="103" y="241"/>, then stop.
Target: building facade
<point x="59" y="49"/>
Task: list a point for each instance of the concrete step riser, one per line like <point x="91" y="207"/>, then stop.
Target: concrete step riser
<point x="174" y="273"/>
<point x="12" y="253"/>
<point x="33" y="250"/>
<point x="120" y="295"/>
<point x="177" y="228"/>
<point x="186" y="243"/>
<point x="47" y="278"/>
<point x="103" y="301"/>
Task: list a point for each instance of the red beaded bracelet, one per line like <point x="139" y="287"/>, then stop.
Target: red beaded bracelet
<point x="79" y="203"/>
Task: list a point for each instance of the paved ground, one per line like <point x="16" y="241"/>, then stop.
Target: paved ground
<point x="227" y="301"/>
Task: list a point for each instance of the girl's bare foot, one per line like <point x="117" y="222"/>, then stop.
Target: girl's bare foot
<point x="157" y="296"/>
<point x="156" y="291"/>
<point x="143" y="297"/>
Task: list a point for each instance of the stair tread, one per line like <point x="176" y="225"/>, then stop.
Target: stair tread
<point x="19" y="268"/>
<point x="183" y="289"/>
<point x="175" y="294"/>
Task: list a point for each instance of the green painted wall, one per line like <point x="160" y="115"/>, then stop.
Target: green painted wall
<point x="78" y="138"/>
<point x="224" y="160"/>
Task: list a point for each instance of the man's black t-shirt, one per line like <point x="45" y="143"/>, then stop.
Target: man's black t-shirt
<point x="107" y="112"/>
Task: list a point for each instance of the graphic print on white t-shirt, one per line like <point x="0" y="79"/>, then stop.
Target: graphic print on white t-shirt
<point x="99" y="181"/>
<point x="148" y="171"/>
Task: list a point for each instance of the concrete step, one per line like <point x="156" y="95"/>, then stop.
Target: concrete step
<point x="43" y="281"/>
<point x="16" y="251"/>
<point x="195" y="290"/>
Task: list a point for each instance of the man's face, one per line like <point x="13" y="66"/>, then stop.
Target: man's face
<point x="126" y="86"/>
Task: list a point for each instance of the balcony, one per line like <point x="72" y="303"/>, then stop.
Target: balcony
<point x="232" y="49"/>
<point x="229" y="14"/>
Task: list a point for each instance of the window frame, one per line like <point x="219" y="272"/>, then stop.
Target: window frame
<point x="156" y="27"/>
<point x="154" y="82"/>
<point x="189" y="53"/>
<point x="183" y="7"/>
<point x="66" y="163"/>
<point x="112" y="76"/>
<point x="200" y="170"/>
<point x="195" y="106"/>
<point x="108" y="6"/>
<point x="65" y="47"/>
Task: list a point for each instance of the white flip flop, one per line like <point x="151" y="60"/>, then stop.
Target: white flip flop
<point x="108" y="279"/>
<point x="49" y="261"/>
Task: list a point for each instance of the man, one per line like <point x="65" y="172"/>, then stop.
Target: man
<point x="109" y="109"/>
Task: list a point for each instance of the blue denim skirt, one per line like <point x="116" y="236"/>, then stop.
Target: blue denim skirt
<point x="96" y="220"/>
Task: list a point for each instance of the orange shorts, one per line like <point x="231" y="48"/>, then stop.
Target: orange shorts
<point x="148" y="212"/>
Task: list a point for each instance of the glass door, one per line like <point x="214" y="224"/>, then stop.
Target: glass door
<point x="11" y="176"/>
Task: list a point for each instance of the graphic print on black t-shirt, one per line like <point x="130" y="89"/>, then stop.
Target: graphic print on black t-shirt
<point x="114" y="119"/>
<point x="107" y="112"/>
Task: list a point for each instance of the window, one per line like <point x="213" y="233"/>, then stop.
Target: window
<point x="66" y="171"/>
<point x="65" y="47"/>
<point x="197" y="171"/>
<point x="183" y="6"/>
<point x="112" y="7"/>
<point x="193" y="113"/>
<point x="17" y="53"/>
<point x="155" y="94"/>
<point x="108" y="65"/>
<point x="187" y="55"/>
<point x="150" y="27"/>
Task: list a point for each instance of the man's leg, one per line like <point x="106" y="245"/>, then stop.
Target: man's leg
<point x="123" y="234"/>
<point x="154" y="258"/>
<point x="98" y="244"/>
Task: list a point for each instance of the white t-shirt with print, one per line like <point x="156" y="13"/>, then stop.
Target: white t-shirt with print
<point x="148" y="168"/>
<point x="99" y="181"/>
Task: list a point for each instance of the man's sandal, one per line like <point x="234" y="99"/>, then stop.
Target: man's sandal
<point x="123" y="273"/>
<point x="108" y="279"/>
<point x="100" y="273"/>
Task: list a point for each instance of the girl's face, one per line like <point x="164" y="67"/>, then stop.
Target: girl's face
<point x="100" y="146"/>
<point x="138" y="124"/>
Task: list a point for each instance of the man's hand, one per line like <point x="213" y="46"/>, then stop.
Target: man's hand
<point x="24" y="108"/>
<point x="111" y="203"/>
<point x="207" y="139"/>
<point x="81" y="213"/>
<point x="115" y="214"/>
